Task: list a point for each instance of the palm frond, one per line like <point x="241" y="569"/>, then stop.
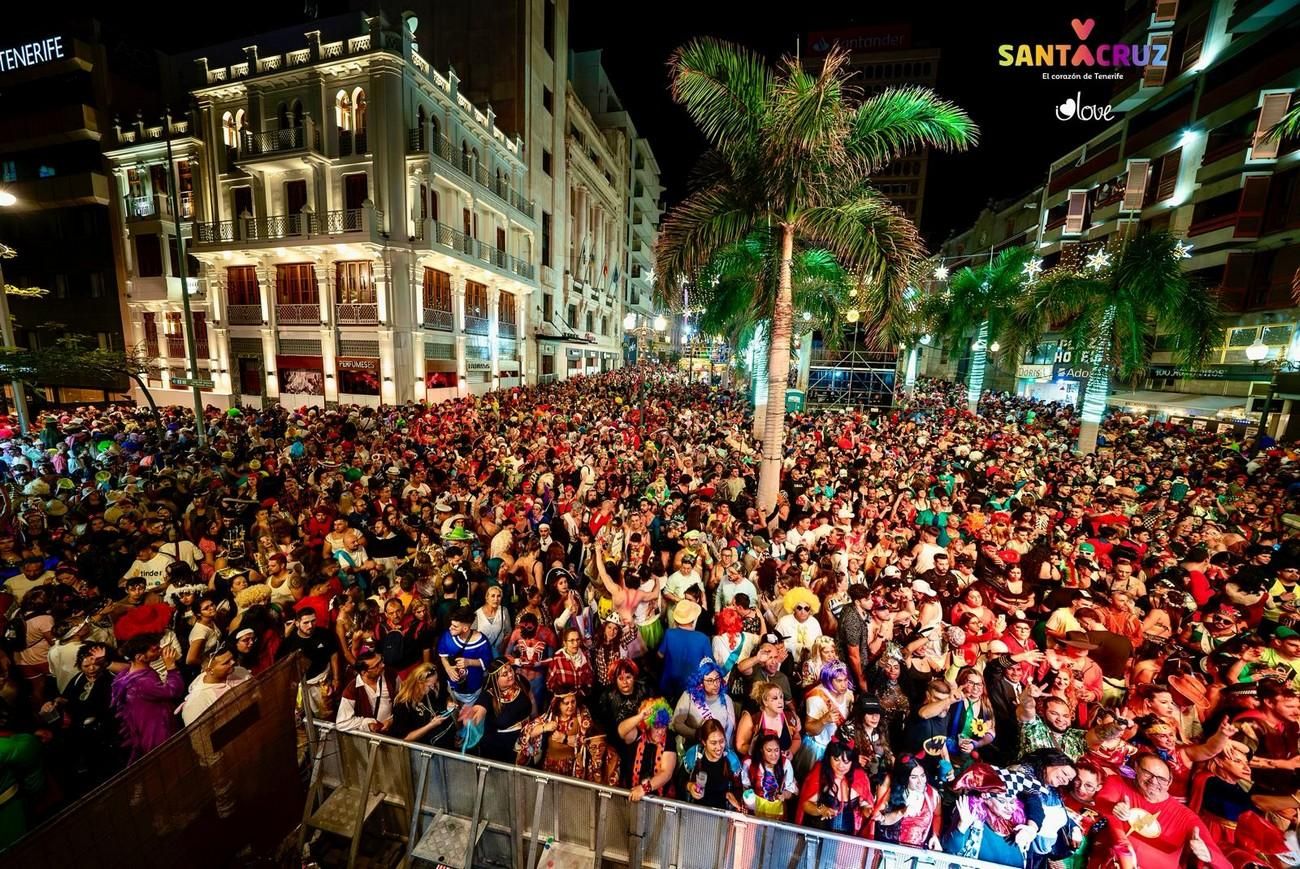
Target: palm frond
<point x="703" y="223"/>
<point x="724" y="88"/>
<point x="900" y="121"/>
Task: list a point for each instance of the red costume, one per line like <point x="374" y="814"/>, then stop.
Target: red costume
<point x="1164" y="849"/>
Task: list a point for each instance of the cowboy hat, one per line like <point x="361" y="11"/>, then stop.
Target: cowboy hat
<point x="685" y="612"/>
<point x="1077" y="640"/>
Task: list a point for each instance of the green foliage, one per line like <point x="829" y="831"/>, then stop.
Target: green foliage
<point x="790" y="148"/>
<point x="1148" y="291"/>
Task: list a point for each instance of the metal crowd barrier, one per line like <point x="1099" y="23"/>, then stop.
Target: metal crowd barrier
<point x="462" y="812"/>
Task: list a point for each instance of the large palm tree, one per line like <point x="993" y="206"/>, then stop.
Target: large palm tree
<point x="796" y="151"/>
<point x="979" y="299"/>
<point x="738" y="290"/>
<point x="1114" y="303"/>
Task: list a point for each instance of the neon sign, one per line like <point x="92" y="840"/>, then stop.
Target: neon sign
<point x="31" y="54"/>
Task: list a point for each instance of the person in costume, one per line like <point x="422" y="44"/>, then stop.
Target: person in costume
<point x="1148" y="829"/>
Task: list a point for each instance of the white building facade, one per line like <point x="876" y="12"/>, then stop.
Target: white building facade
<point x="361" y="229"/>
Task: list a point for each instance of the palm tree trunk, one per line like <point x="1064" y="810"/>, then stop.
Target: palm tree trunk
<point x="778" y="376"/>
<point x="978" y="362"/>
<point x="1098" y="388"/>
<point x="758" y="377"/>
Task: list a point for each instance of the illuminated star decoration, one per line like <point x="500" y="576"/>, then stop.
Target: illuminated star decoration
<point x="1033" y="268"/>
<point x="941" y="272"/>
<point x="1182" y="250"/>
<point x="1097" y="260"/>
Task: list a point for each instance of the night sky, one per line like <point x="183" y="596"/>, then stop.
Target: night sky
<point x="1014" y="107"/>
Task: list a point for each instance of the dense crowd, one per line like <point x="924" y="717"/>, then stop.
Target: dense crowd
<point x="952" y="632"/>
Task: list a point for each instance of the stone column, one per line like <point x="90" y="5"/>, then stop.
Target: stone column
<point x="458" y="324"/>
<point x="494" y="345"/>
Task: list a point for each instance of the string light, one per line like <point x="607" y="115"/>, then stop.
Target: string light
<point x="941" y="272"/>
<point x="1182" y="250"/>
<point x="1033" y="268"/>
<point x="851" y="315"/>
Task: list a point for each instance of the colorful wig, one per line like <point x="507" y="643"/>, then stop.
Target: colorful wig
<point x="800" y="595"/>
<point x="695" y="685"/>
<point x="832" y="671"/>
<point x="655" y="713"/>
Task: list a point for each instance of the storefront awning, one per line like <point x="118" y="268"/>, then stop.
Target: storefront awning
<point x="1184" y="402"/>
<point x="550" y="331"/>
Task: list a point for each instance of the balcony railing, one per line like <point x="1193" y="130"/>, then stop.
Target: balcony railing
<point x="506" y="330"/>
<point x="476" y="325"/>
<point x="298" y="314"/>
<point x="280" y="141"/>
<point x="452" y="238"/>
<point x="176" y="346"/>
<point x="147" y="207"/>
<point x="442" y="148"/>
<point x="352" y="142"/>
<point x="281" y="226"/>
<point x="356" y="313"/>
<point x="437" y="318"/>
<point x="244" y="315"/>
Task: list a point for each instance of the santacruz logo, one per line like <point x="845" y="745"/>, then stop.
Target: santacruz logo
<point x="1107" y="55"/>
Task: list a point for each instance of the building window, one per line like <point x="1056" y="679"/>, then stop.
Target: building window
<point x="548" y="307"/>
<point x="546" y="239"/>
<point x="476" y="299"/>
<point x="343" y="110"/>
<point x="354" y="283"/>
<point x="437" y="290"/>
<point x="548" y="99"/>
<point x="148" y="256"/>
<point x="149" y="325"/>
<point x="200" y="334"/>
<point x="546" y="162"/>
<point x="241" y="286"/>
<point x="591" y="322"/>
<point x="506" y="308"/>
<point x="295" y="284"/>
<point x="604" y="325"/>
<point x="548" y="26"/>
<point x="573" y="317"/>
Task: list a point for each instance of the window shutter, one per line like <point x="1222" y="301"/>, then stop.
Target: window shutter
<point x="1135" y="187"/>
<point x="1152" y="75"/>
<point x="1250" y="208"/>
<point x="1166" y="12"/>
<point x="1077" y="213"/>
<point x="1272" y="110"/>
<point x="1236" y="278"/>
<point x="1169" y="174"/>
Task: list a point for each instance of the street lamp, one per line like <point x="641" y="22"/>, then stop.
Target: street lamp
<point x="7" y="199"/>
<point x="1258" y="351"/>
<point x="660" y="323"/>
<point x="629" y="322"/>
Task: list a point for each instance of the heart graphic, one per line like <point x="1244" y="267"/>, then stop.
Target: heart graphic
<point x="1065" y="110"/>
<point x="1082" y="28"/>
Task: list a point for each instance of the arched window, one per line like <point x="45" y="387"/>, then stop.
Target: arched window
<point x="343" y="110"/>
<point x="240" y="122"/>
<point x="296" y="113"/>
<point x="359" y="110"/>
<point x="282" y="114"/>
<point x="434" y="129"/>
<point x="229" y="132"/>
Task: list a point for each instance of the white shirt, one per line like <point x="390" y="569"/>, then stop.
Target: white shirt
<point x="154" y="570"/>
<point x="204" y="694"/>
<point x="799" y="635"/>
<point x="380" y="700"/>
<point x="925" y="557"/>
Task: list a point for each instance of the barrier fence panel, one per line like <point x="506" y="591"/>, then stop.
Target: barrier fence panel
<point x="223" y="792"/>
<point x="464" y="811"/>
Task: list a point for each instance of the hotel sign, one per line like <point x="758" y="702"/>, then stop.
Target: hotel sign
<point x="31" y="54"/>
<point x="1211" y="372"/>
